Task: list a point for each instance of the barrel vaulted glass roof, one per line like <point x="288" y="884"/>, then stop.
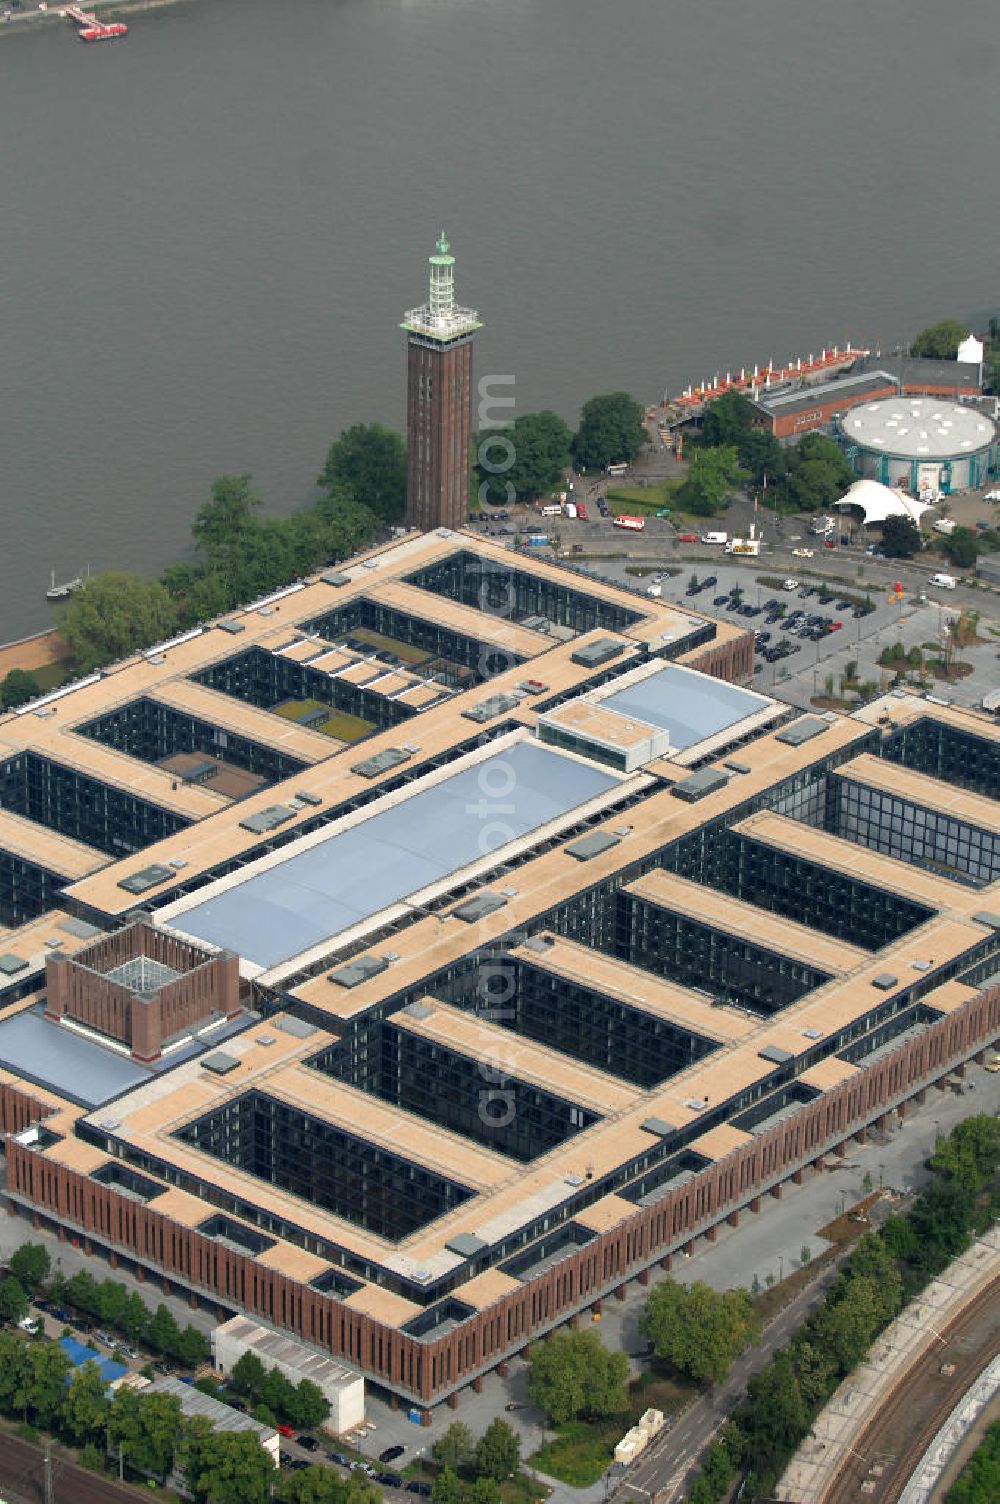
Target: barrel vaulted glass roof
<point x="689" y="705"/>
<point x="338" y="882"/>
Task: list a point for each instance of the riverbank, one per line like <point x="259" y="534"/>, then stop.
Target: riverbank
<point x="16" y="22"/>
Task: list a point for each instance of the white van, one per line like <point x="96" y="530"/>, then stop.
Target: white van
<point x="554" y="510"/>
<point x="721" y="538"/>
<point x="944" y="581"/>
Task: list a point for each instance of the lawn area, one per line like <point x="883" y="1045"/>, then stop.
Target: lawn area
<point x="404" y="651"/>
<point x="579" y="1453"/>
<point x="52" y="675"/>
<point x="337" y="723"/>
<point x="645" y="500"/>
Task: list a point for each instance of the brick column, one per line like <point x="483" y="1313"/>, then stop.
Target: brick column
<point x="574" y="1321"/>
<point x="643" y="1277"/>
<point x="667" y="1262"/>
<point x="597" y="1307"/>
<point x="776" y="1192"/>
<point x="193" y="1301"/>
<point x="140" y="1274"/>
<point x="861" y="1136"/>
<point x="477" y="1385"/>
<point x="113" y="1260"/>
<point x="453" y="1402"/>
<point x="797" y="1177"/>
<point x="503" y="1369"/>
<point x="621" y="1292"/>
<point x="426" y="1417"/>
<point x="733" y="1219"/>
<point x="755" y="1204"/>
<point x="711" y="1233"/>
<point x="689" y="1247"/>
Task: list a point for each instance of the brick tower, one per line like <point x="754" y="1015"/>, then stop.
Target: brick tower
<point x="439" y="401"/>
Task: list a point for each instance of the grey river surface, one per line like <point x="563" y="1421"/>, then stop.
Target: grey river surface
<point x="209" y="232"/>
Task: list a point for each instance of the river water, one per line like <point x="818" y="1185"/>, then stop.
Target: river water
<point x="210" y="232"/>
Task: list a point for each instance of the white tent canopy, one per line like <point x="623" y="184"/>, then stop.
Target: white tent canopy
<point x="878" y="502"/>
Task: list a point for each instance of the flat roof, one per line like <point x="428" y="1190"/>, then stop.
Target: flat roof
<point x="72" y="1065"/>
<point x="924" y="428"/>
<point x="313" y="895"/>
<point x="686" y="704"/>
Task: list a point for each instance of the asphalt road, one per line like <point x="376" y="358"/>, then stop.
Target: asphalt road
<point x="666" y="1469"/>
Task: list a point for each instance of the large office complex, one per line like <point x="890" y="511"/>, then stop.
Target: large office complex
<point x="407" y="961"/>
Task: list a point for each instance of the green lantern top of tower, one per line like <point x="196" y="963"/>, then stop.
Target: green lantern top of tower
<point x="440" y="318"/>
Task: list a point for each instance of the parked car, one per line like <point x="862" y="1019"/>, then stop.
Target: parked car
<point x="285" y="1459"/>
<point x="422" y="1490"/>
<point x="389" y="1480"/>
<point x="309" y="1442"/>
<point x="339" y="1458"/>
<point x="707" y="584"/>
<point x="284" y="1430"/>
<point x="391" y="1453"/>
<point x="687" y="537"/>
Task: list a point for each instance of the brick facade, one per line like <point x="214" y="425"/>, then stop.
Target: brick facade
<point x="438" y="433"/>
<point x="428" y="1372"/>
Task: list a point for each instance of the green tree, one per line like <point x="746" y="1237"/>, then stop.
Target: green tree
<point x="112" y="1302"/>
<point x="523" y="460"/>
<point x="229" y="516"/>
<point x="279" y="1395"/>
<point x="248" y="1375"/>
<point x="370" y="461"/>
<point x="192" y="1347"/>
<point x="962" y="547"/>
<point x="83" y="1292"/>
<point x="12" y="1357"/>
<point x="573" y="1373"/>
<point x="498" y="1455"/>
<point x="940" y="341"/>
<point x="135" y="1318"/>
<point x="760" y="455"/>
<point x="777" y="1417"/>
<point x="86" y="1406"/>
<point x="13" y="1301"/>
<point x="113" y="615"/>
<point x="901" y="538"/>
<point x="311" y="1405"/>
<point x="455" y="1447"/>
<point x="818" y="474"/>
<point x="163" y="1333"/>
<point x="726" y="420"/>
<point x="446" y="1487"/>
<point x="979" y="1480"/>
<point x="147" y="1427"/>
<point x="712" y="476"/>
<point x="232" y="1468"/>
<point x="611" y="431"/>
<point x="485" y="1491"/>
<point x="697" y="1329"/>
<point x="17" y="688"/>
<point x="30" y="1264"/>
<point x="43" y="1376"/>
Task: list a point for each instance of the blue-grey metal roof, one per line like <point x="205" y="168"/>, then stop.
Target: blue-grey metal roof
<point x="689" y="705"/>
<point x="74" y="1067"/>
<point x="346" y="878"/>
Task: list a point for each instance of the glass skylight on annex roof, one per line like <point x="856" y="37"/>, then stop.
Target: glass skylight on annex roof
<point x="689" y="705"/>
<point x="339" y="881"/>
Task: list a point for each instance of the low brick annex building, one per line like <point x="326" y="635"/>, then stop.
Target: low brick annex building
<point x="548" y="980"/>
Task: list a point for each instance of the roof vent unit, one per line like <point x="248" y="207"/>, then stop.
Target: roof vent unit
<point x="232" y="627"/>
<point x="921" y="965"/>
<point x="489" y="709"/>
<point x="813" y="1033"/>
<point x="10" y="964"/>
<point x="305" y="797"/>
<point x="699" y="785"/>
<point x="146" y="878"/>
<point x="885" y="981"/>
<point x="593" y="654"/>
<point x="594" y="844"/>
<point x="802" y="731"/>
<point x="467" y="1244"/>
<point x="361" y="969"/>
<point x="267" y="819"/>
<point x="265" y="1041"/>
<point x="696" y="1104"/>
<point x="573" y="1180"/>
<point x="659" y="1126"/>
<point x="220" y="1064"/>
<point x="775" y="1054"/>
<point x="335" y="577"/>
<point x="479" y="906"/>
<point x="389" y="757"/>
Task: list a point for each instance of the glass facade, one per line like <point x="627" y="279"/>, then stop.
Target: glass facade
<point x="880" y="820"/>
<point x="325" y="1165"/>
<point x="948" y="752"/>
<point x="795" y="887"/>
<point x="513" y="594"/>
<point x="475" y="1098"/>
<point x="371" y="626"/>
<point x="151" y="732"/>
<point x="78" y="806"/>
<point x="267" y="679"/>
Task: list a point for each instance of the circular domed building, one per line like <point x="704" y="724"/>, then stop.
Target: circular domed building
<point x="920" y="443"/>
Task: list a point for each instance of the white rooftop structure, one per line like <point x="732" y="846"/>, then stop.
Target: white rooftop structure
<point x="922" y="428"/>
<point x="879" y="502"/>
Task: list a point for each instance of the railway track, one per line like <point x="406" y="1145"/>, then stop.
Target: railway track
<point x="889" y="1448"/>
